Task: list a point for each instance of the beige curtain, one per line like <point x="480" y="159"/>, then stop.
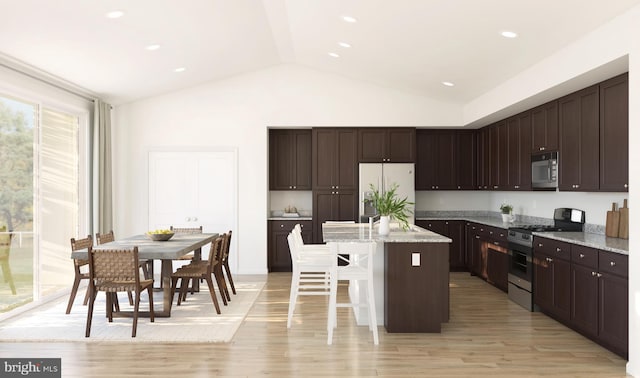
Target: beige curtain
<point x="101" y="176"/>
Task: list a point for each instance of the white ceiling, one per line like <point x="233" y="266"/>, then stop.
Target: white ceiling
<point x="411" y="45"/>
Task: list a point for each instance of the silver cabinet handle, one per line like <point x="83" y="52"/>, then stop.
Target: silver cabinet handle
<point x="582" y="255"/>
<point x="599" y="274"/>
<point x="613" y="263"/>
<point x="626" y="186"/>
<point x="539" y="244"/>
<point x="282" y="226"/>
<point x="594" y="274"/>
<point x="558" y="250"/>
<point x="496" y="243"/>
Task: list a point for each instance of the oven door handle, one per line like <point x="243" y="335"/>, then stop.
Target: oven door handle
<point x="528" y="257"/>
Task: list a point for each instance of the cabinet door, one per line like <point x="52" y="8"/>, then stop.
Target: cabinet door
<point x="544" y="127"/>
<point x="333" y="206"/>
<point x="561" y="289"/>
<point x="323" y="210"/>
<point x="613" y="323"/>
<point x="302" y="159"/>
<point x="519" y="160"/>
<point x="482" y="166"/>
<point x="457" y="255"/>
<point x="584" y="301"/>
<point x="278" y="256"/>
<point x="425" y="161"/>
<point x="465" y="160"/>
<point x="346" y="160"/>
<point x="579" y="140"/>
<point x="543" y="281"/>
<point x="281" y="160"/>
<point x="437" y="226"/>
<point x="401" y="145"/>
<point x="469" y="244"/>
<point x="497" y="268"/>
<point x="324" y="158"/>
<point x="372" y="143"/>
<point x="494" y="156"/>
<point x="614" y="134"/>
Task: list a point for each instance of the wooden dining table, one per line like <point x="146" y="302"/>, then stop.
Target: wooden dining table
<point x="165" y="251"/>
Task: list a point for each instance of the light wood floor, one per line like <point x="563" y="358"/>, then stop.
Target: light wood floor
<point x="486" y="336"/>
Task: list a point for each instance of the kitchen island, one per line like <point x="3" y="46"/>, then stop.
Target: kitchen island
<point x="411" y="276"/>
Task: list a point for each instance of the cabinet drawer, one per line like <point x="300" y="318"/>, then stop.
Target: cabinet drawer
<point x="553" y="248"/>
<point x="584" y="256"/>
<point x="288" y="225"/>
<point x="613" y="263"/>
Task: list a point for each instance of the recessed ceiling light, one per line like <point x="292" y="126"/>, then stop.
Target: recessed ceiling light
<point x="115" y="14"/>
<point x="448" y="83"/>
<point x="152" y="47"/>
<point x="334" y="55"/>
<point x="344" y="44"/>
<point x="349" y="19"/>
<point x="509" y="34"/>
<point x="180" y="69"/>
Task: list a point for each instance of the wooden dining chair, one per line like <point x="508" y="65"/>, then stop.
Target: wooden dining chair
<point x="145" y="265"/>
<point x="225" y="262"/>
<point x="186" y="230"/>
<point x="5" y="250"/>
<point x="113" y="271"/>
<point x="78" y="266"/>
<point x="203" y="271"/>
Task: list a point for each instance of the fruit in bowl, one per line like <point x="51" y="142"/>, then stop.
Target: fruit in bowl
<point x="160" y="235"/>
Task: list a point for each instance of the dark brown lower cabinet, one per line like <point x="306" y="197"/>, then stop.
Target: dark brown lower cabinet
<point x="551" y="278"/>
<point x="613" y="322"/>
<point x="498" y="267"/>
<point x="416" y="298"/>
<point x="278" y="256"/>
<point x="455" y="230"/>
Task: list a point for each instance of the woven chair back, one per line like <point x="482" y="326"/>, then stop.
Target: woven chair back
<point x="105" y="238"/>
<point x="186" y="230"/>
<point x="77" y="244"/>
<point x="114" y="265"/>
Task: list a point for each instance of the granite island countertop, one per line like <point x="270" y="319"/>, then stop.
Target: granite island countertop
<point x="361" y="232"/>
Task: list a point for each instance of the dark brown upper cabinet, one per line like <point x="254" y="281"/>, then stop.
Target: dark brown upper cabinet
<point x="466" y="155"/>
<point x="519" y="160"/>
<point x="290" y="159"/>
<point x="544" y="127"/>
<point x="436" y="160"/>
<point x="392" y="144"/>
<point x="498" y="156"/>
<point x="614" y="134"/>
<point x="579" y="122"/>
<point x="482" y="162"/>
<point x="335" y="158"/>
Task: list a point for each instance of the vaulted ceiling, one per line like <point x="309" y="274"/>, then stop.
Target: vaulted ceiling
<point x="411" y="45"/>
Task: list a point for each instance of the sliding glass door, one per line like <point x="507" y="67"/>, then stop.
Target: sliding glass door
<point x="39" y="200"/>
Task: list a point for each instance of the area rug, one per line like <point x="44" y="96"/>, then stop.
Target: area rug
<point x="194" y="321"/>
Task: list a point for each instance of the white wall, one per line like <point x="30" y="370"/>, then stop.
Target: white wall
<point x="236" y="112"/>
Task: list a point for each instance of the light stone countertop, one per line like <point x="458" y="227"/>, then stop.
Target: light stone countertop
<point x="360" y="232"/>
<point x="587" y="239"/>
<point x="289" y="218"/>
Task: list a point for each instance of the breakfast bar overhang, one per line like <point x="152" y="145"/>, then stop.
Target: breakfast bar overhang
<point x="411" y="276"/>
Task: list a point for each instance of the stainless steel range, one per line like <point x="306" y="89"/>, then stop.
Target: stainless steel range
<point x="520" y="245"/>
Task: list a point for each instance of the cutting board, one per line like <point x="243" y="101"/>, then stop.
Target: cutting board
<point x="623" y="229"/>
<point x="613" y="221"/>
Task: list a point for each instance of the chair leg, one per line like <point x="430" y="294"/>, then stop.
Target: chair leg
<point x="226" y="268"/>
<point x="90" y="314"/>
<point x="174" y="286"/>
<point x="74" y="291"/>
<point x="130" y="296"/>
<point x="221" y="286"/>
<point x="213" y="294"/>
<point x="136" y="306"/>
<point x="152" y="315"/>
<point x="110" y="304"/>
<point x="295" y="277"/>
<point x="333" y="299"/>
<point x="373" y="321"/>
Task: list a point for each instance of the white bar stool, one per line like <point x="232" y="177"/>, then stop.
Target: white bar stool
<point x="312" y="269"/>
<point x="359" y="257"/>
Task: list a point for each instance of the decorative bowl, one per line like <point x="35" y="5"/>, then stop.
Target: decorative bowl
<point x="160" y="237"/>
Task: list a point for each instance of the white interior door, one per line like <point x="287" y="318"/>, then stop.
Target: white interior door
<point x="194" y="188"/>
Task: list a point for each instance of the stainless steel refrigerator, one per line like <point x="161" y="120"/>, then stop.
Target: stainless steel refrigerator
<point x="383" y="176"/>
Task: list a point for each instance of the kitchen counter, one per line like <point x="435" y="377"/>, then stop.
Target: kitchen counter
<point x="410" y="276"/>
<point x="588" y="239"/>
<point x="289" y="218"/>
<point x="360" y="232"/>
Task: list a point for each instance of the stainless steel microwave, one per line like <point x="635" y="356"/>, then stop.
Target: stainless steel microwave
<point x="544" y="171"/>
